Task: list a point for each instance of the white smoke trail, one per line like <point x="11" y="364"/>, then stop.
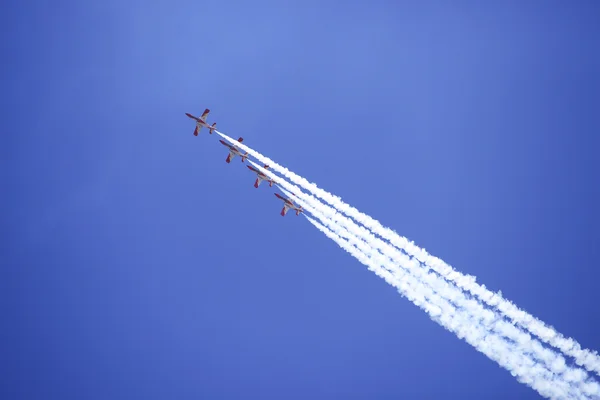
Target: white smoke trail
<point x="394" y="260"/>
<point x="442" y="312"/>
<point x="583" y="357"/>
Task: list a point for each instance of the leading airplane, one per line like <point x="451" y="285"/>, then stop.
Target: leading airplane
<point x="200" y="122"/>
<point x="261" y="176"/>
<point x="234" y="151"/>
<point x="287" y="204"/>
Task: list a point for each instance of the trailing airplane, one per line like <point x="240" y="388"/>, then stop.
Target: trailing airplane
<point x="260" y="176"/>
<point x="287" y="204"/>
<point x="200" y="122"/>
<point x="234" y="151"/>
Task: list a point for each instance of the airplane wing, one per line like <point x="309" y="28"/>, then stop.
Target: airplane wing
<point x="284" y="210"/>
<point x="279" y="196"/>
<point x="204" y="115"/>
<point x="258" y="181"/>
<point x="230" y="157"/>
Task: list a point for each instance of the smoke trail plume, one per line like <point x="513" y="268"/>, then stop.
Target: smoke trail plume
<point x="583" y="357"/>
<point x="493" y="346"/>
<point x="395" y="262"/>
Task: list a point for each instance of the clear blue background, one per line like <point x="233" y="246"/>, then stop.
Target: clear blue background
<point x="136" y="263"/>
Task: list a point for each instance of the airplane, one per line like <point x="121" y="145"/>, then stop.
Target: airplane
<point x="234" y="151"/>
<point x="200" y="122"/>
<point x="261" y="176"/>
<point x="287" y="204"/>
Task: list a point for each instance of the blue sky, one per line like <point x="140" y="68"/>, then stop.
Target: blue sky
<point x="136" y="263"/>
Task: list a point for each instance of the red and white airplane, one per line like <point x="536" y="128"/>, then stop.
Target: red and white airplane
<point x="260" y="176"/>
<point x="287" y="204"/>
<point x="234" y="151"/>
<point x="200" y="122"/>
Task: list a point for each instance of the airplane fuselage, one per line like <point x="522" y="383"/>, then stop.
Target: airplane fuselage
<point x="198" y="120"/>
<point x="233" y="149"/>
<point x="201" y="122"/>
<point x="260" y="177"/>
<point x="260" y="174"/>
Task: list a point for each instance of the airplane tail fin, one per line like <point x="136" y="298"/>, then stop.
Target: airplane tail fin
<point x="244" y="156"/>
<point x="212" y="128"/>
<point x="266" y="166"/>
<point x="270" y="183"/>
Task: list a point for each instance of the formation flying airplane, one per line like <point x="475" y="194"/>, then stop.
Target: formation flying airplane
<point x="260" y="176"/>
<point x="200" y="122"/>
<point x="287" y="204"/>
<point x="234" y="151"/>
